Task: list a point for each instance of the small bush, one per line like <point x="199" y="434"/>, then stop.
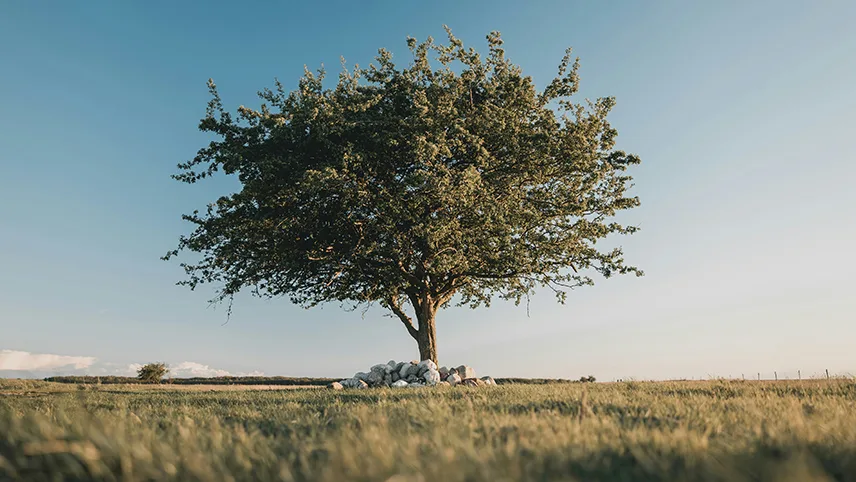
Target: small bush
<point x="152" y="372"/>
<point x="588" y="379"/>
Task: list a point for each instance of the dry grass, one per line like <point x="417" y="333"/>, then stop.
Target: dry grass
<point x="722" y="431"/>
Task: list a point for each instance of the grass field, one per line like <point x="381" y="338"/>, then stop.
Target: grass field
<point x="633" y="431"/>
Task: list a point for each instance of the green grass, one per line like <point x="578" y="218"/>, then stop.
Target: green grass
<point x="693" y="431"/>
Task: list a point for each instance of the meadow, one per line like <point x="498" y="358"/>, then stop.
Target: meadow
<point x="628" y="431"/>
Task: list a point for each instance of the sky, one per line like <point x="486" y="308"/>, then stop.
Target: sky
<point x="742" y="114"/>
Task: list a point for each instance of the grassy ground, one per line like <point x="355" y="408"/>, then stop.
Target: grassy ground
<point x="723" y="431"/>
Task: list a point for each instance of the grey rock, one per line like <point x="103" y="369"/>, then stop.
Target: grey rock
<point x="354" y="383"/>
<point x="374" y="378"/>
<point x="335" y="386"/>
<point x="426" y="365"/>
<point x="413" y="370"/>
<point x="400" y="384"/>
<point x="361" y="376"/>
<point x="488" y="380"/>
<point x="395" y="377"/>
<point x="444" y="372"/>
<point x="466" y="372"/>
<point x="412" y="379"/>
<point x="404" y="370"/>
<point x="453" y="379"/>
<point x="431" y="377"/>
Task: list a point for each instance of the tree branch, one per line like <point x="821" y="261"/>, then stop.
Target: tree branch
<point x="395" y="307"/>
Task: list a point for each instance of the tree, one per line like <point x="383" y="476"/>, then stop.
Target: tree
<point x="412" y="186"/>
<point x="152" y="372"/>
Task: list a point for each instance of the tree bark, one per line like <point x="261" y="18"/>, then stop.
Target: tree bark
<point x="426" y="338"/>
<point x="424" y="332"/>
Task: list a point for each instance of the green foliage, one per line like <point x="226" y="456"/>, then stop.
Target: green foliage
<point x="412" y="185"/>
<point x="689" y="431"/>
<point x="152" y="372"/>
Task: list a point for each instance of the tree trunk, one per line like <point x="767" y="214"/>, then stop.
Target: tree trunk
<point x="426" y="337"/>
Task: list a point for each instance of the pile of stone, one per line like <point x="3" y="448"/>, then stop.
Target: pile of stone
<point x="413" y="374"/>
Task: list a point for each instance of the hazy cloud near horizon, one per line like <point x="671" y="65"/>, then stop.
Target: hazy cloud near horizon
<point x="26" y="361"/>
<point x="22" y="364"/>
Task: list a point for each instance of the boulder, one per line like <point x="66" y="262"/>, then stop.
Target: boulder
<point x="453" y="379"/>
<point x="426" y="365"/>
<point x="466" y="372"/>
<point x="353" y="383"/>
<point x="374" y="379"/>
<point x="431" y="377"/>
<point x="414" y="373"/>
<point x="472" y="382"/>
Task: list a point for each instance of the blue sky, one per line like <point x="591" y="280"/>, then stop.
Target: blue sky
<point x="742" y="112"/>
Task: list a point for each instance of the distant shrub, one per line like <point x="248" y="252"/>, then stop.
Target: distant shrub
<point x="588" y="379"/>
<point x="531" y="381"/>
<point x="152" y="372"/>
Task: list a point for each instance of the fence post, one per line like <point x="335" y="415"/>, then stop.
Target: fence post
<point x="799" y="375"/>
<point x="827" y="373"/>
<point x="776" y="376"/>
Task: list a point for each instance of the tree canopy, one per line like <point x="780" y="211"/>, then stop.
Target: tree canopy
<point x="412" y="186"/>
<point x="152" y="372"/>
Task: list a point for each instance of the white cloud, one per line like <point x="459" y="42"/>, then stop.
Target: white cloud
<point x="22" y="364"/>
<point x="183" y="370"/>
<point x="26" y="361"/>
<point x="193" y="369"/>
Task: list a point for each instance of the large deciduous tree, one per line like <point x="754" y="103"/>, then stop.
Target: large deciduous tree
<point x="409" y="186"/>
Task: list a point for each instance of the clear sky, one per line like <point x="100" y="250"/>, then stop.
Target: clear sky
<point x="742" y="113"/>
